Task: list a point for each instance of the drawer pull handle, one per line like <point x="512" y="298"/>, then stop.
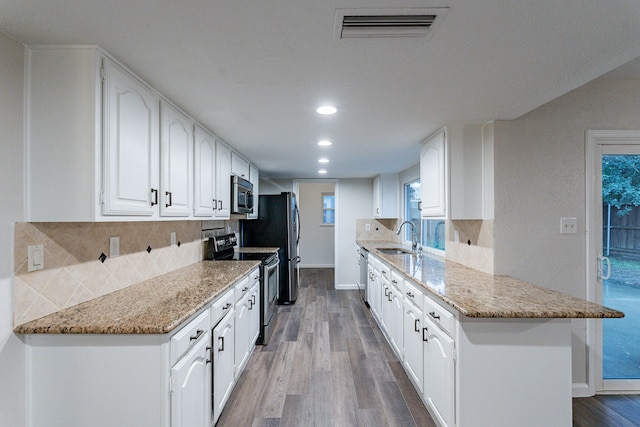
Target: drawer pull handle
<point x="410" y="295"/>
<point x="210" y="355"/>
<point x="434" y="315"/>
<point x="227" y="306"/>
<point x="155" y="196"/>
<point x="386" y="291"/>
<point x="416" y="325"/>
<point x="245" y="289"/>
<point x="253" y="299"/>
<point x="250" y="304"/>
<point x="169" y="199"/>
<point x="199" y="333"/>
<point x="425" y="335"/>
<point x="394" y="281"/>
<point x="384" y="271"/>
<point x="389" y="296"/>
<point x="220" y="343"/>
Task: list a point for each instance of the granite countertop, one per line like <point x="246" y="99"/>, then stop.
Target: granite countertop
<point x="477" y="294"/>
<point x="257" y="250"/>
<point x="154" y="306"/>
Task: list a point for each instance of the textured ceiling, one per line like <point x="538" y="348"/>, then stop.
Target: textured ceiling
<point x="254" y="72"/>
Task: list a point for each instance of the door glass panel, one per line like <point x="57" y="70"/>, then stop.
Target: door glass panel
<point x="621" y="243"/>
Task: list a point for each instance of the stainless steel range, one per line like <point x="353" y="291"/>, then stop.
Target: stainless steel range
<point x="221" y="247"/>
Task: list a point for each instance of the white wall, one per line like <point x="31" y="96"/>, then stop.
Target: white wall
<point x="354" y="198"/>
<point x="540" y="177"/>
<point x="12" y="350"/>
<point x="318" y="241"/>
<point x="275" y="186"/>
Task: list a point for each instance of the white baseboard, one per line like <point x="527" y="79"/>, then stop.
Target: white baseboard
<point x="580" y="390"/>
<point x="316" y="266"/>
<point x="347" y="286"/>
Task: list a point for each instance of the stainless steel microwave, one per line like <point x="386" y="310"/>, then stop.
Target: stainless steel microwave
<point x="241" y="195"/>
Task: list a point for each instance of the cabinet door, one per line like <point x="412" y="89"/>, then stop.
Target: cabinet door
<point x="176" y="167"/>
<point x="413" y="347"/>
<point x="223" y="363"/>
<point x="243" y="331"/>
<point x="254" y="309"/>
<point x="239" y="166"/>
<point x="254" y="178"/>
<point x="385" y="305"/>
<point x="396" y="333"/>
<point x="223" y="180"/>
<point x="433" y="176"/>
<point x="204" y="175"/>
<point x="130" y="157"/>
<point x="190" y="387"/>
<point x="377" y="197"/>
<point x="439" y="373"/>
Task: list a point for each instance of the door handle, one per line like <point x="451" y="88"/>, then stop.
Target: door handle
<point x="169" y="198"/>
<point x="425" y="334"/>
<point x="220" y="343"/>
<point x="155" y="196"/>
<point x="416" y="325"/>
<point x="602" y="260"/>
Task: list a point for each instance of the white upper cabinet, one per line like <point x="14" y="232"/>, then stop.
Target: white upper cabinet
<point x="101" y="147"/>
<point x="385" y="196"/>
<point x="254" y="178"/>
<point x="239" y="166"/>
<point x="204" y="200"/>
<point x="451" y="173"/>
<point x="130" y="159"/>
<point x="223" y="181"/>
<point x="176" y="155"/>
<point x="91" y="154"/>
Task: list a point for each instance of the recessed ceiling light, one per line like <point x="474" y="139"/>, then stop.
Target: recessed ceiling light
<point x="322" y="171"/>
<point x="324" y="143"/>
<point x="323" y="160"/>
<point x="326" y="110"/>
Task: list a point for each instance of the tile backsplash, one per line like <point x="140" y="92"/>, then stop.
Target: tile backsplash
<point x="73" y="272"/>
<point x="474" y="244"/>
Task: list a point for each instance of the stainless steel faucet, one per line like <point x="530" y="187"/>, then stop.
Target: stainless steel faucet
<point x="414" y="236"/>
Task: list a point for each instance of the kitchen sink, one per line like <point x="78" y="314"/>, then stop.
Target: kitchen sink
<point x="395" y="251"/>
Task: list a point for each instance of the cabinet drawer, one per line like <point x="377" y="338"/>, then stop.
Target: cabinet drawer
<point x="385" y="271"/>
<point x="221" y="307"/>
<point x="189" y="335"/>
<point x="413" y="294"/>
<point x="241" y="288"/>
<point x="398" y="282"/>
<point x="439" y="315"/>
<point x="254" y="277"/>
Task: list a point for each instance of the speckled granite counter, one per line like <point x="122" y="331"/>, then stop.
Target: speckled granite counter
<point x="477" y="294"/>
<point x="154" y="306"/>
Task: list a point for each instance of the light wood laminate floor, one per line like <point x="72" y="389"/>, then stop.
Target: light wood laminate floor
<point x="328" y="364"/>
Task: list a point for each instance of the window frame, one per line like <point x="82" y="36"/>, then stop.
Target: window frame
<point x="324" y="210"/>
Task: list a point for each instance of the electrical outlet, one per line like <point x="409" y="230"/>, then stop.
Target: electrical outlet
<point x="114" y="246"/>
<point x="367" y="227"/>
<point x="568" y="225"/>
<point x="35" y="257"/>
<point x="173" y="238"/>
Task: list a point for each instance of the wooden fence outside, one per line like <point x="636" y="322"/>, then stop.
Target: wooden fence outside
<point x="621" y="234"/>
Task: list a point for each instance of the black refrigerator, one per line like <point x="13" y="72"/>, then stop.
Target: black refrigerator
<point x="278" y="225"/>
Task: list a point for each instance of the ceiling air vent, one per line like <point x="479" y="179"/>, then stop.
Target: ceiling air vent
<point x="405" y="22"/>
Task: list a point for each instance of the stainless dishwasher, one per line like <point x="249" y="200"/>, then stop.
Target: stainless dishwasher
<point x="364" y="274"/>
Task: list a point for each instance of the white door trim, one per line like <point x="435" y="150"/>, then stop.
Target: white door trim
<point x="595" y="140"/>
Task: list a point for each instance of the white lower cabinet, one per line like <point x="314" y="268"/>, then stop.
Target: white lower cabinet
<point x="254" y="309"/>
<point x="374" y="292"/>
<point x="243" y="329"/>
<point x="191" y="386"/>
<point x="413" y="344"/>
<point x="223" y="362"/>
<point x="439" y="373"/>
<point x="396" y="326"/>
<point x="142" y="380"/>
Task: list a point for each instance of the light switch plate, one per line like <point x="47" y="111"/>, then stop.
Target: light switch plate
<point x="174" y="240"/>
<point x="568" y="225"/>
<point x="114" y="247"/>
<point x="35" y="257"/>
